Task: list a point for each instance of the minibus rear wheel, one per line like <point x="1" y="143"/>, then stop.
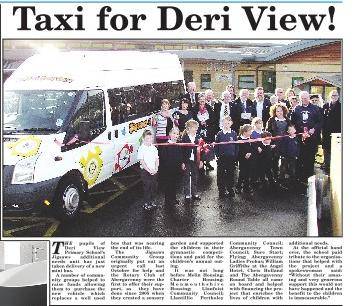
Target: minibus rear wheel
<point x="69" y="198"/>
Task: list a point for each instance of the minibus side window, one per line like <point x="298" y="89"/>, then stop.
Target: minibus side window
<point x="96" y="111"/>
<point x="173" y="91"/>
<point x="130" y="103"/>
<point x="90" y="108"/>
<point x="115" y="102"/>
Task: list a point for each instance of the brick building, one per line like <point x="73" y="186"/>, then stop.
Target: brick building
<point x="215" y="64"/>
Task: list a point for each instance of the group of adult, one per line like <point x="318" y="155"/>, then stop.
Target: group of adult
<point x="305" y="111"/>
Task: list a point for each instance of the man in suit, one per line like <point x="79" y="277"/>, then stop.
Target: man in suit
<point x="191" y="95"/>
<point x="261" y="105"/>
<point x="307" y="118"/>
<point x="332" y="123"/>
<point x="231" y="89"/>
<point x="224" y="109"/>
<point x="245" y="108"/>
<point x="210" y="99"/>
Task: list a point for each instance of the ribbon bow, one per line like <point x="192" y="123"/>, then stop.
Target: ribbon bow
<point x="305" y="134"/>
<point x="202" y="148"/>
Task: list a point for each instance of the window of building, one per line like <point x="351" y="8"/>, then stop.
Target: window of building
<point x="296" y="81"/>
<point x="205" y="81"/>
<point x="246" y="81"/>
<point x="317" y="89"/>
<point x="328" y="90"/>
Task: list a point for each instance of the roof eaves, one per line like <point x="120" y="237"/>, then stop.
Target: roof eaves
<point x="327" y="79"/>
<point x="296" y="47"/>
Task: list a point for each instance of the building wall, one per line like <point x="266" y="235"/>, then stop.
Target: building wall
<point x="26" y="251"/>
<point x="326" y="59"/>
<point x="221" y="73"/>
<point x="331" y="53"/>
<point x="285" y="72"/>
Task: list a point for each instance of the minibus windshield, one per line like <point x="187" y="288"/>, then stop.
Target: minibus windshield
<point x="36" y="110"/>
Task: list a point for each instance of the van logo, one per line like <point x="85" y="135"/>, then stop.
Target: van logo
<point x="92" y="165"/>
<point x="136" y="126"/>
<point x="25" y="147"/>
<point x="123" y="157"/>
<point x="47" y="78"/>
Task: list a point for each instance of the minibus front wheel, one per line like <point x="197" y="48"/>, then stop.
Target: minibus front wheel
<point x="69" y="198"/>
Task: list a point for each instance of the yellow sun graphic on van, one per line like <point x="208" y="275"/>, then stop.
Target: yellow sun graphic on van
<point x="92" y="165"/>
<point x="25" y="147"/>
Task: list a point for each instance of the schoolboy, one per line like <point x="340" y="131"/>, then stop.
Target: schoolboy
<point x="227" y="155"/>
<point x="246" y="151"/>
<point x="170" y="162"/>
<point x="190" y="163"/>
<point x="149" y="164"/>
<point x="257" y="125"/>
<point x="290" y="155"/>
<point x="265" y="160"/>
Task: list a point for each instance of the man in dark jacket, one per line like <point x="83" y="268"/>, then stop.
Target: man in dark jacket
<point x="261" y="105"/>
<point x="191" y="95"/>
<point x="307" y="118"/>
<point x="245" y="108"/>
<point x="331" y="124"/>
<point x="224" y="109"/>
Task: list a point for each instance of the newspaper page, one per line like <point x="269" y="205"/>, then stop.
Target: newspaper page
<point x="177" y="152"/>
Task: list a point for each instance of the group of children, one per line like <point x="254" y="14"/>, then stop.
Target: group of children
<point x="256" y="155"/>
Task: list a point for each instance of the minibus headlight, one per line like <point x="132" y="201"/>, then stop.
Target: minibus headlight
<point x="24" y="170"/>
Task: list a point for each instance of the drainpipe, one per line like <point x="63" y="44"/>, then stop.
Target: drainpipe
<point x="233" y="67"/>
<point x="257" y="74"/>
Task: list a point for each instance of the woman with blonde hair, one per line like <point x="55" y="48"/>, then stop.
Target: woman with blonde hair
<point x="163" y="122"/>
<point x="289" y="93"/>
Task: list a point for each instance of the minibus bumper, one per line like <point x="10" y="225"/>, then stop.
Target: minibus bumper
<point x="29" y="197"/>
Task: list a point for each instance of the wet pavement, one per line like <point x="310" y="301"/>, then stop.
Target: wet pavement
<point x="115" y="209"/>
<point x="256" y="216"/>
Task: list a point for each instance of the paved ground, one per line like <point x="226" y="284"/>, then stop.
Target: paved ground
<point x="115" y="209"/>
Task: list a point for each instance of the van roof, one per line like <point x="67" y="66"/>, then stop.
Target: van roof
<point x="83" y="69"/>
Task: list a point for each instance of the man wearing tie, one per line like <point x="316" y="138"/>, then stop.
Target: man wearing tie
<point x="191" y="95"/>
<point x="224" y="109"/>
<point x="245" y="107"/>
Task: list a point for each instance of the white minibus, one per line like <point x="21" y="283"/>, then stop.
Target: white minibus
<point x="73" y="119"/>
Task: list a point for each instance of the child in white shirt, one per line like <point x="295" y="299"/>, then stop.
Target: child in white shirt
<point x="149" y="164"/>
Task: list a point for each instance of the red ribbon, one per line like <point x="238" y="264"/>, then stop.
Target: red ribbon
<point x="202" y="146"/>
